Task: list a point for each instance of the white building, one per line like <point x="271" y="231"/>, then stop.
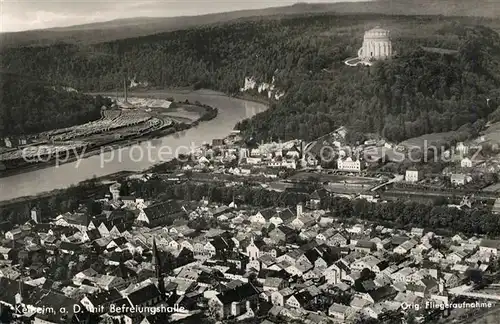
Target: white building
<point x="348" y="164"/>
<point x="462" y="148"/>
<point x="282" y="164"/>
<point x="466" y="163"/>
<point x="413" y="175"/>
<point x="250" y="83"/>
<point x="489" y="246"/>
<point x="376" y="45"/>
<point x="459" y="179"/>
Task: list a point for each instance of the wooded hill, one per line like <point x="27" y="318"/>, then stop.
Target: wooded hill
<point x="417" y="92"/>
<point x="484" y="10"/>
<point x="28" y="106"/>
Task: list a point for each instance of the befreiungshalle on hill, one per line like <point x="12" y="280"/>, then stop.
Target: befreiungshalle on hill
<point x="419" y="91"/>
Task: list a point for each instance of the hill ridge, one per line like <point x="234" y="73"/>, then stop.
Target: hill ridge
<point x="143" y="26"/>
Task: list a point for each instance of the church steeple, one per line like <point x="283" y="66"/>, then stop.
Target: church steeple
<point x="19" y="296"/>
<point x="156" y="258"/>
<point x="157" y="265"/>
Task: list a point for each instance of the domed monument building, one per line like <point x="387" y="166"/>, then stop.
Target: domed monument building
<point x="377" y="45"/>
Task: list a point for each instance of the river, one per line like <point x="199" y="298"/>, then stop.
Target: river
<point x="230" y="111"/>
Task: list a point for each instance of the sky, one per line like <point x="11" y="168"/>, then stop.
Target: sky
<point x="17" y="15"/>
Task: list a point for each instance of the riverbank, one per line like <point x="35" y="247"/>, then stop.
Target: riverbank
<point x="207" y="114"/>
<point x="230" y="111"/>
<point x="159" y="93"/>
<point x="249" y="97"/>
<point x="33" y="198"/>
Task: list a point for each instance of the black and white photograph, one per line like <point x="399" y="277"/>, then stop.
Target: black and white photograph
<point x="249" y="162"/>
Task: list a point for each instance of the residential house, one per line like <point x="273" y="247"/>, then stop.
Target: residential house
<point x="317" y="196"/>
<point x="109" y="282"/>
<point x="263" y="216"/>
<point x="466" y="163"/>
<point x="100" y="300"/>
<point x="337" y="240"/>
<point x="435" y="256"/>
<point x="274" y="284"/>
<point x="365" y="246"/>
<point x="489" y="246"/>
<point x="402" y="275"/>
<point x="340" y="312"/>
<point x="417" y="232"/>
<point x="279" y="298"/>
<point x="15" y="234"/>
<point x="282" y="217"/>
<point x="424" y="287"/>
<point x="160" y="214"/>
<point x="128" y="201"/>
<point x="235" y="302"/>
<point x="148" y="295"/>
<point x="405" y="247"/>
<point x="70" y="248"/>
<point x="283" y="234"/>
<point x="459" y="179"/>
<point x="91" y="235"/>
<point x="457" y="238"/>
<point x="349" y="165"/>
<point x="369" y="262"/>
<point x="337" y="272"/>
<point x="457" y="256"/>
<point x="254" y="249"/>
<point x="462" y="148"/>
<point x="300" y="299"/>
<point x="303" y="221"/>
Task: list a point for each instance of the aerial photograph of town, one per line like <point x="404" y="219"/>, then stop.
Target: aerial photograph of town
<point x="196" y="161"/>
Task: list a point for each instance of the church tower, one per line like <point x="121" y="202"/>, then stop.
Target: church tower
<point x="36" y="215"/>
<point x="157" y="266"/>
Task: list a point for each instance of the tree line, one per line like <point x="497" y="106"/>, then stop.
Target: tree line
<point x="400" y="213"/>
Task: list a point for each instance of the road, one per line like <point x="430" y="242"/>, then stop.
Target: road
<point x="398" y="178"/>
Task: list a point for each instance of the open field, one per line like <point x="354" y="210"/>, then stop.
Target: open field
<point x="428" y="140"/>
<point x="112" y="121"/>
<point x="117" y="128"/>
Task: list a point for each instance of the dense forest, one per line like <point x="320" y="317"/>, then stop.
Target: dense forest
<point x="417" y="92"/>
<point x="28" y="107"/>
